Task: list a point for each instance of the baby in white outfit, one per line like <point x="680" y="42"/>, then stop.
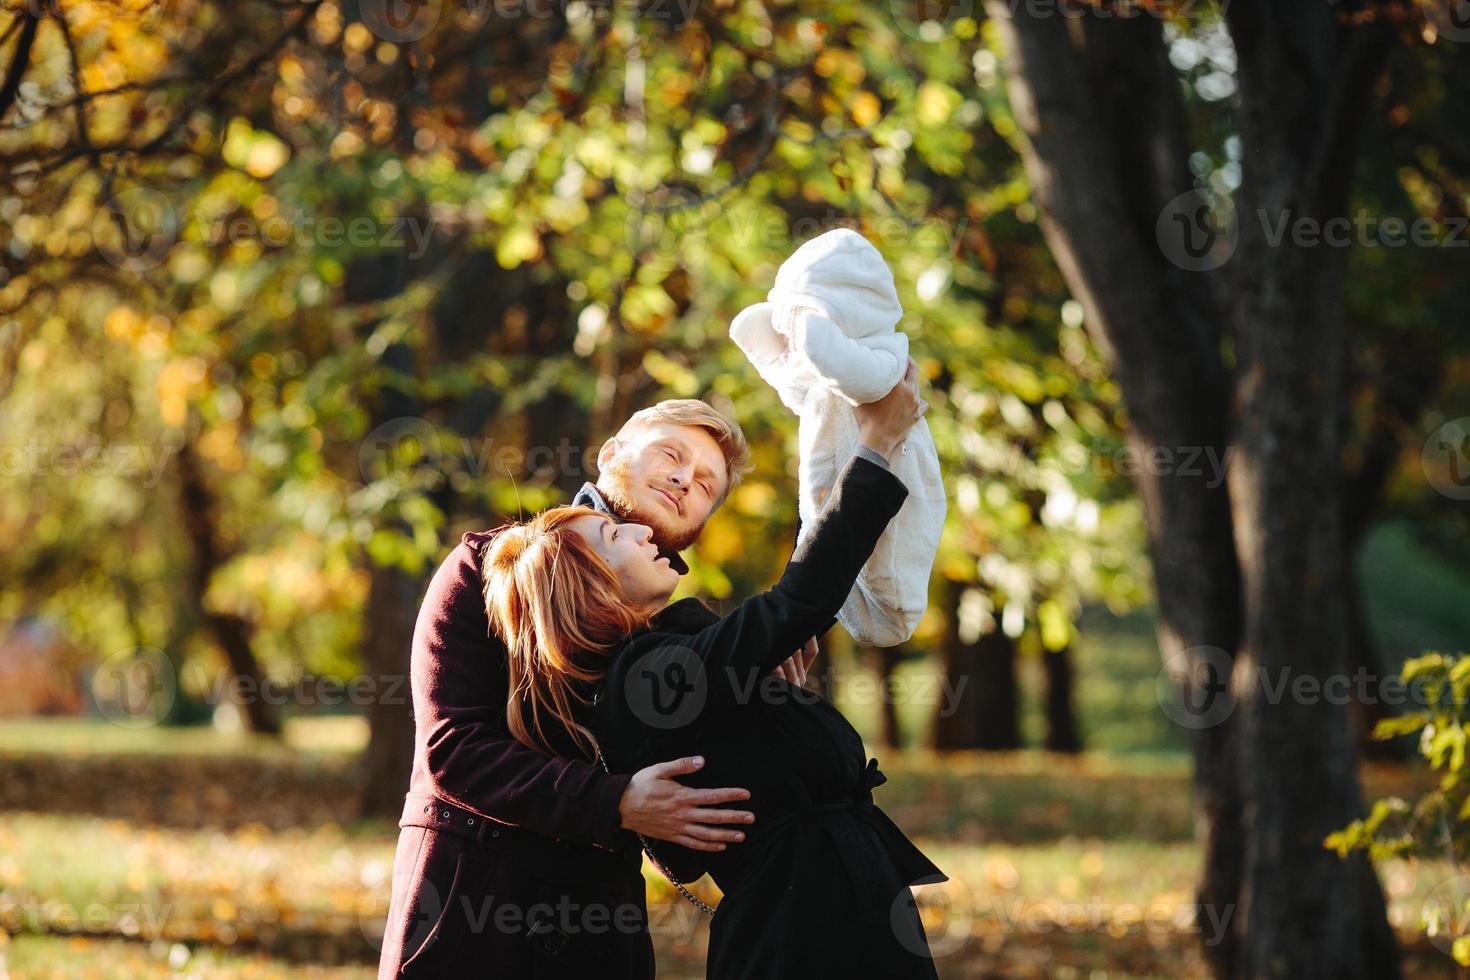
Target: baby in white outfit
<point x="826" y="340"/>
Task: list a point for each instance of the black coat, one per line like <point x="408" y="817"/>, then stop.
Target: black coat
<point x="820" y="886"/>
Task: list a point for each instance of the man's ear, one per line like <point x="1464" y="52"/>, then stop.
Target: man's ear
<point x="607" y="452"/>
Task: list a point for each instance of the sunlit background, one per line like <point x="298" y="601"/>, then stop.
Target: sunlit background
<point x="294" y="294"/>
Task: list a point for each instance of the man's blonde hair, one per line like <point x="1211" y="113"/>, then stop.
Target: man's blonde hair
<point x="725" y="431"/>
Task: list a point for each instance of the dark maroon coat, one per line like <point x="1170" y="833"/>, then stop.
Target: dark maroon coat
<point x="468" y="887"/>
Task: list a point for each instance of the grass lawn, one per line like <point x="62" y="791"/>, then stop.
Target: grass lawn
<point x="84" y="895"/>
<point x="89" y="958"/>
<point x="1059" y="868"/>
<point x="191" y="852"/>
<point x="325" y="736"/>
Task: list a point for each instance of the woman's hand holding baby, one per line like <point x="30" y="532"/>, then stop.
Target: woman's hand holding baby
<point x="883" y="424"/>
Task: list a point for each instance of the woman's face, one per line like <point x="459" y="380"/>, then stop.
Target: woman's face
<point x="647" y="578"/>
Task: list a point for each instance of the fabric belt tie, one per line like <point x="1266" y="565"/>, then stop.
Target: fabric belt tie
<point x="816" y="816"/>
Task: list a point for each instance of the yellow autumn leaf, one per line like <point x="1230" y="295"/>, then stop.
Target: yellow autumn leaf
<point x="123" y="322"/>
<point x="520" y="243"/>
<point x="935" y="103"/>
<point x="866" y="109"/>
<point x="267" y="155"/>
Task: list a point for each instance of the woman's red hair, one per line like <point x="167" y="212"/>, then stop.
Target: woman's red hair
<point x="553" y="599"/>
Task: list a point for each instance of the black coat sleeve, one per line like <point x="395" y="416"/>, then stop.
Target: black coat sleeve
<point x="721" y="662"/>
<point x="831" y="622"/>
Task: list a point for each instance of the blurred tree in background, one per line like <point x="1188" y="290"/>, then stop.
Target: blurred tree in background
<point x="292" y="294"/>
<point x="367" y="293"/>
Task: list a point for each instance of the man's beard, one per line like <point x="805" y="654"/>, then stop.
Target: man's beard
<point x="615" y="477"/>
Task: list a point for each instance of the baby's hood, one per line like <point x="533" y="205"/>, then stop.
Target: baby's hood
<point x="843" y="276"/>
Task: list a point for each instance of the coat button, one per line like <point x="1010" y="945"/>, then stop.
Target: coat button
<point x="494" y="833"/>
<point x="472" y="821"/>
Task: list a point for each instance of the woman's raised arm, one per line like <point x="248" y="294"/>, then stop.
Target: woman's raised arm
<point x="674" y="678"/>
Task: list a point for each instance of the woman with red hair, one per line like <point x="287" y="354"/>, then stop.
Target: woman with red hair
<point x="603" y="667"/>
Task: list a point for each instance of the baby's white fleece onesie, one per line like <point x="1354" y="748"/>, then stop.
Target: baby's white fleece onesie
<point x="826" y="340"/>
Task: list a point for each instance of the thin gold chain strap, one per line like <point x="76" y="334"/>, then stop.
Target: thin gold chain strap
<point x="648" y="849"/>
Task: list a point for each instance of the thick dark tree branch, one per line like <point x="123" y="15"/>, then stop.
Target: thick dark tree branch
<point x="158" y="144"/>
<point x="29" y="24"/>
<point x="86" y="98"/>
<point x="207" y="555"/>
<point x="84" y="136"/>
<point x="14" y="26"/>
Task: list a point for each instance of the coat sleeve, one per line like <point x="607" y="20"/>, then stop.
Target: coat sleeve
<point x="725" y="658"/>
<point x="460" y="682"/>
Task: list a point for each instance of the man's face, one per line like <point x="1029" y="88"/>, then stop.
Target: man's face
<point x="666" y="476"/>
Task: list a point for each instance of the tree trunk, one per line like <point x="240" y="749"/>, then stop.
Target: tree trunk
<point x="1061" y="719"/>
<point x="985" y="714"/>
<point x="393" y="600"/>
<point x="1106" y="152"/>
<point x="888" y="730"/>
<point x="230" y="632"/>
<point x="997" y="705"/>
<point x="1306" y="912"/>
<point x="393" y="592"/>
<point x="954" y="722"/>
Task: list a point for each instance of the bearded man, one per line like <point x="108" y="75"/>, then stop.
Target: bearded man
<point x="514" y="863"/>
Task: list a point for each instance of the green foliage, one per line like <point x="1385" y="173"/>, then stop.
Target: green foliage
<point x="1438" y="822"/>
<point x="585" y="247"/>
